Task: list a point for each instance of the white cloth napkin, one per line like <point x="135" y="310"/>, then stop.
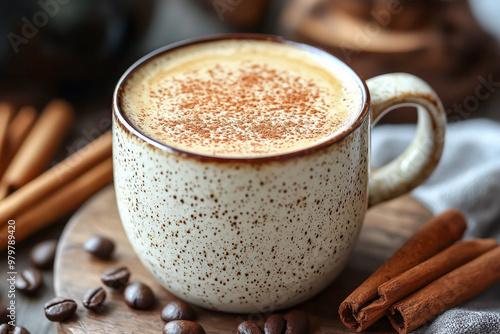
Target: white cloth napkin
<point x="467" y="178"/>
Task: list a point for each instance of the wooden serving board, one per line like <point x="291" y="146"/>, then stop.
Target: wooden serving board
<point x="386" y="227"/>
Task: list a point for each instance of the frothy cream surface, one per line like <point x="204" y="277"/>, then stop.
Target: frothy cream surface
<point x="238" y="98"/>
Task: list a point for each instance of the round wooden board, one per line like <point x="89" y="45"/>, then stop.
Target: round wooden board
<point x="386" y="227"/>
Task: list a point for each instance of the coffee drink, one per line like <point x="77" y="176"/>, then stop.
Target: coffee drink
<point x="240" y="99"/>
<point x="241" y="166"/>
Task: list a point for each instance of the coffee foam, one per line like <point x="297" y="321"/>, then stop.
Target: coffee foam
<point x="238" y="98"/>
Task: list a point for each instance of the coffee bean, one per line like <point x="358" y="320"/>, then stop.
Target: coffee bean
<point x="94" y="299"/>
<point x="59" y="308"/>
<point x="248" y="327"/>
<point x="116" y="278"/>
<point x="183" y="327"/>
<point x="177" y="310"/>
<point x="139" y="296"/>
<point x="3" y="315"/>
<point x="29" y="281"/>
<point x="275" y="324"/>
<point x="20" y="330"/>
<point x="100" y="247"/>
<point x="42" y="255"/>
<point x="296" y="322"/>
<point x="4" y="329"/>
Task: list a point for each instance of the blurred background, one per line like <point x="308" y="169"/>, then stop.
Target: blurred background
<point x="77" y="49"/>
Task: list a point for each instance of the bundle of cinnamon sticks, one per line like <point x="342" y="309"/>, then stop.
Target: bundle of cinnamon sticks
<point x="428" y="275"/>
<point x="31" y="195"/>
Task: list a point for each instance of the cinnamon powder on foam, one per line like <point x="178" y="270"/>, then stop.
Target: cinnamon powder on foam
<point x="236" y="103"/>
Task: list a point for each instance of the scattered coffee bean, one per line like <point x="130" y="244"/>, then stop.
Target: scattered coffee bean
<point x="59" y="309"/>
<point x="94" y="299"/>
<point x="296" y="322"/>
<point x="177" y="310"/>
<point x="139" y="296"/>
<point x="4" y="329"/>
<point x="29" y="281"/>
<point x="275" y="324"/>
<point x="20" y="330"/>
<point x="100" y="247"/>
<point x="3" y="315"/>
<point x="116" y="278"/>
<point x="42" y="255"/>
<point x="183" y="327"/>
<point x="248" y="327"/>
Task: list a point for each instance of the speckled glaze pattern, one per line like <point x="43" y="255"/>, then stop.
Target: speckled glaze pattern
<point x="242" y="237"/>
<point x="258" y="235"/>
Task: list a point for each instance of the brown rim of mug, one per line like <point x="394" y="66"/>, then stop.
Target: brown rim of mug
<point x="127" y="126"/>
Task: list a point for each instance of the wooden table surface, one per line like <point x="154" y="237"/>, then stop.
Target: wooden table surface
<point x="386" y="227"/>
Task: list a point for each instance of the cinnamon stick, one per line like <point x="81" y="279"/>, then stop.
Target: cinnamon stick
<point x="39" y="147"/>
<point x="18" y="129"/>
<point x="60" y="203"/>
<point x="419" y="276"/>
<point x="56" y="177"/>
<point x="6" y="112"/>
<point x="434" y="236"/>
<point x="446" y="292"/>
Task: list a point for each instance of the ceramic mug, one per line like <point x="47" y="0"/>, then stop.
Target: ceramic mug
<point x="261" y="234"/>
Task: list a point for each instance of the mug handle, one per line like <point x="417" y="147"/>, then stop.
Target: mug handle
<point x="390" y="91"/>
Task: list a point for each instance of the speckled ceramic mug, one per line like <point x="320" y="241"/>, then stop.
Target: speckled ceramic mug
<point x="261" y="234"/>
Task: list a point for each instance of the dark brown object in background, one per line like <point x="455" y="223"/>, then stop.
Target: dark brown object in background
<point x="247" y="15"/>
<point x="43" y="254"/>
<point x="39" y="148"/>
<point x="437" y="234"/>
<point x="439" y="41"/>
<point x="446" y="292"/>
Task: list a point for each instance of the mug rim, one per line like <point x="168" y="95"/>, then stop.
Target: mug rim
<point x="127" y="125"/>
